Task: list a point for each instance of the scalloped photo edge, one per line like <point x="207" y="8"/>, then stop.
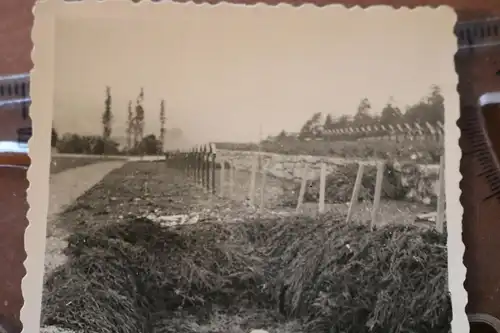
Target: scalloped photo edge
<point x="231" y="81"/>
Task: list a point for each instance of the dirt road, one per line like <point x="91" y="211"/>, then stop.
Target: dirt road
<point x="65" y="187"/>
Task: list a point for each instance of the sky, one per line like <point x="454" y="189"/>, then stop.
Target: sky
<point x="226" y="71"/>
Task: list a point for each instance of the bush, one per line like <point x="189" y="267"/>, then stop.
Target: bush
<point x="149" y="145"/>
<point x="87" y="144"/>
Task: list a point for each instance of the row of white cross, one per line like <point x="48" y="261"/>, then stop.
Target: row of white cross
<point x="401" y="128"/>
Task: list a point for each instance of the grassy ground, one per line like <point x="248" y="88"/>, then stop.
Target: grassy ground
<point x="390" y="212"/>
<point x="236" y="269"/>
<point x="425" y="150"/>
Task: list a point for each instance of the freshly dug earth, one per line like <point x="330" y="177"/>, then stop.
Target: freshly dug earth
<point x="284" y="274"/>
<point x="340" y="185"/>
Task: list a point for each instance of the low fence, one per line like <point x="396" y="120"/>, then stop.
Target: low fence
<point x="201" y="164"/>
<point x="198" y="163"/>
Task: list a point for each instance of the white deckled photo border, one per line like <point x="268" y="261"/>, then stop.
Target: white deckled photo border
<point x="42" y="94"/>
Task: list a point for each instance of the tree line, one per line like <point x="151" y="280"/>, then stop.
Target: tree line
<point x="430" y="109"/>
<point x="137" y="143"/>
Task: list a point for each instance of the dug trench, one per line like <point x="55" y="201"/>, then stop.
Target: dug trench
<point x="282" y="273"/>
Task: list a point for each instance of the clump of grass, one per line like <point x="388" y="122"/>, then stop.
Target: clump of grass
<point x="95" y="292"/>
<point x="346" y="278"/>
<point x="327" y="275"/>
<point x="157" y="268"/>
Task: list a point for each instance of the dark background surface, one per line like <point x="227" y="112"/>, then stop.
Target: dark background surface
<point x="476" y="72"/>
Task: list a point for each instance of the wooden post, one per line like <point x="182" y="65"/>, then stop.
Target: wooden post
<point x="222" y="176"/>
<point x="198" y="165"/>
<point x="302" y="191"/>
<point x="441" y="197"/>
<point x="263" y="186"/>
<point x="185" y="157"/>
<point x="355" y="192"/>
<point x="378" y="193"/>
<point x="209" y="157"/>
<point x="214" y="166"/>
<point x="182" y="165"/>
<point x="322" y="188"/>
<point x="251" y="190"/>
<point x="232" y="171"/>
<point x="199" y="160"/>
<point x="203" y="163"/>
<point x="195" y="164"/>
<point x="189" y="164"/>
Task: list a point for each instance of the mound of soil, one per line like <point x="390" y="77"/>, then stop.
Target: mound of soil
<point x="135" y="276"/>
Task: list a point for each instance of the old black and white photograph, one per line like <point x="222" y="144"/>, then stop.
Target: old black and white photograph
<point x="250" y="169"/>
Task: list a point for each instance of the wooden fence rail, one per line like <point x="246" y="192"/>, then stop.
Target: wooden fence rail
<point x="200" y="165"/>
